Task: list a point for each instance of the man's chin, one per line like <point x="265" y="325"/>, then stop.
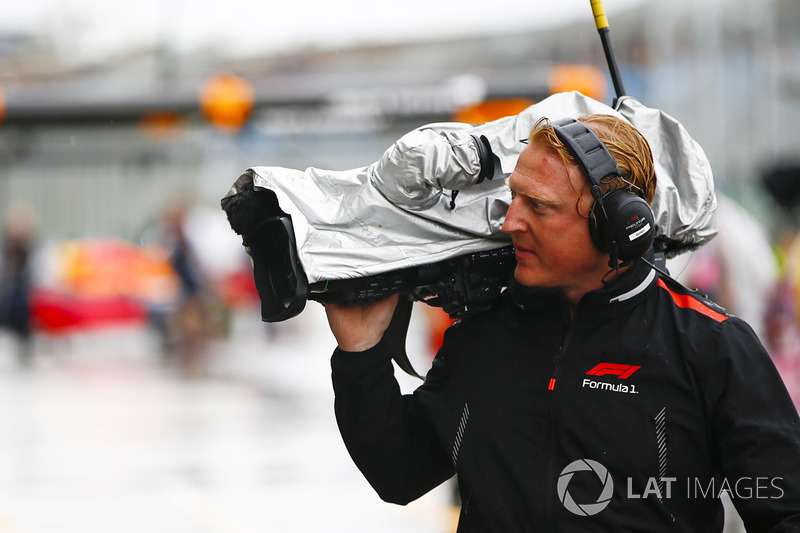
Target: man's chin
<point x="525" y="277"/>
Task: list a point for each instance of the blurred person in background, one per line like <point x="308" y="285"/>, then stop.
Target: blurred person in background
<point x="16" y="277"/>
<point x="781" y="181"/>
<point x="782" y="320"/>
<point x="188" y="324"/>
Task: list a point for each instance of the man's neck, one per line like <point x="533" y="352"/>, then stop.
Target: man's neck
<point x="574" y="296"/>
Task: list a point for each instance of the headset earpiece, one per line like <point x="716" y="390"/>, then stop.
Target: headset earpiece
<point x="627" y="224"/>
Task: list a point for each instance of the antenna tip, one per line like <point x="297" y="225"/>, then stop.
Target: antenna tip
<point x="600" y="19"/>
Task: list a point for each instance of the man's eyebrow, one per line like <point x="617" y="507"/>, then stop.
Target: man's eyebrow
<point x="534" y="197"/>
<point x="537" y="198"/>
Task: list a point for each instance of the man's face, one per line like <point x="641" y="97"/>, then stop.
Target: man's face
<point x="550" y="236"/>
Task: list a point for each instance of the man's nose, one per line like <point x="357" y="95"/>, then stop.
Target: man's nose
<point x="512" y="222"/>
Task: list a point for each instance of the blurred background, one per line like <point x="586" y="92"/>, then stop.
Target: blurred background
<point x="138" y="388"/>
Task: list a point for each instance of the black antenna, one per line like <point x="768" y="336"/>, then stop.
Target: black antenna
<point x="601" y="21"/>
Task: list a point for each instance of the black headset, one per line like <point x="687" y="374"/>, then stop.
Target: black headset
<point x="621" y="222"/>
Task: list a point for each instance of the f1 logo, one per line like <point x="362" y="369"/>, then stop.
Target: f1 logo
<point x="623" y="371"/>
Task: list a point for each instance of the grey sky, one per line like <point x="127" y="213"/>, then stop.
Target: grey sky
<point x="91" y="29"/>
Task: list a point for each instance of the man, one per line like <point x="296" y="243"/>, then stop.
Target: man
<point x="596" y="395"/>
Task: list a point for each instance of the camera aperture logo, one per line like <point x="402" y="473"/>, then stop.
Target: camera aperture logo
<point x="591" y="508"/>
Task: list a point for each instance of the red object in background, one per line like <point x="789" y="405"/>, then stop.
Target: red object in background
<point x="57" y="312"/>
<point x="237" y="290"/>
<point x="101" y="283"/>
<point x="111" y="268"/>
<point x="110" y="282"/>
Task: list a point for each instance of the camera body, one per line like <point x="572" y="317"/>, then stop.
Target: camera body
<point x="460" y="285"/>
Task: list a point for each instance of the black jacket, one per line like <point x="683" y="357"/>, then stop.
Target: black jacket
<point x="631" y="416"/>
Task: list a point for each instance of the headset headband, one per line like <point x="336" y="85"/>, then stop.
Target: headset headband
<point x="588" y="150"/>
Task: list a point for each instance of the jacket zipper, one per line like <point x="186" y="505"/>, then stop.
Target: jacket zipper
<point x="557" y="360"/>
<point x="551" y="463"/>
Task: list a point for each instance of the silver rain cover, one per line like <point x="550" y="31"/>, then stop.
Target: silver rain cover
<point x="396" y="213"/>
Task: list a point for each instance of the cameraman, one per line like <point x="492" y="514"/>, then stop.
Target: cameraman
<point x="594" y="395"/>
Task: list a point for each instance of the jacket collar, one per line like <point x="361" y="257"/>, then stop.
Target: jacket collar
<point x="623" y="291"/>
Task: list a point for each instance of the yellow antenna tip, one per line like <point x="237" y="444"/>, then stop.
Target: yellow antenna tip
<point x="599" y="13"/>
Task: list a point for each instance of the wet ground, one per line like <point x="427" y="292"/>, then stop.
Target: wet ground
<point x="100" y="436"/>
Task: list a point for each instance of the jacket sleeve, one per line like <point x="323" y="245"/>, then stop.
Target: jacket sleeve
<point x="387" y="434"/>
<point x="755" y="431"/>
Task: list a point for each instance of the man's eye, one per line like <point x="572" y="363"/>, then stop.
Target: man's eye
<point x="534" y="204"/>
